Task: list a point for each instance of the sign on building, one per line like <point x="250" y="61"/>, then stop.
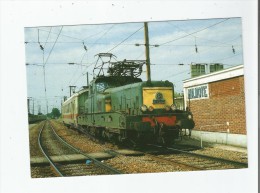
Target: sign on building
<point x="198" y="92"/>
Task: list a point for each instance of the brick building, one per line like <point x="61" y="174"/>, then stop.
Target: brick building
<point x="217" y="101"/>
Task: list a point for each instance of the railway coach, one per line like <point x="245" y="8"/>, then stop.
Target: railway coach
<point x="73" y="107"/>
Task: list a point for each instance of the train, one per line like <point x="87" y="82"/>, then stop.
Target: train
<point x="35" y="118"/>
<point x="120" y="106"/>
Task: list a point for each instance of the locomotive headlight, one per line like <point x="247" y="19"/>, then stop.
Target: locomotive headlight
<point x="173" y="107"/>
<point x="189" y="116"/>
<point x="167" y="108"/>
<point x="151" y="108"/>
<point x="144" y="108"/>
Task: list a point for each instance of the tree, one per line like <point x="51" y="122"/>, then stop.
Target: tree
<point x="55" y="113"/>
<point x="178" y="94"/>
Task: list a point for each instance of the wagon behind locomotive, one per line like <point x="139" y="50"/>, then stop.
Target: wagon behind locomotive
<point x="73" y="107"/>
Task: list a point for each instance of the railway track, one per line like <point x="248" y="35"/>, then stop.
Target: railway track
<point x="148" y="157"/>
<point x="149" y="160"/>
<point x="199" y="161"/>
<point x="55" y="146"/>
<point x="182" y="157"/>
<point x="155" y="158"/>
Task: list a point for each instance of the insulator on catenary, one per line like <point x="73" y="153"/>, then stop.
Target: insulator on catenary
<point x="196" y="49"/>
<point x="233" y="49"/>
<point x="42" y="48"/>
<point x="85" y="47"/>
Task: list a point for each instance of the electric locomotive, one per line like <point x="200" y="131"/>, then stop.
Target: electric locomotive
<point x="120" y="106"/>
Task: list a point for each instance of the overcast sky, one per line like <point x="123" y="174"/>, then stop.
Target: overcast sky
<point x="217" y="41"/>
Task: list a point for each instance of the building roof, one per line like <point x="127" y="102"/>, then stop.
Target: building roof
<point x="215" y="76"/>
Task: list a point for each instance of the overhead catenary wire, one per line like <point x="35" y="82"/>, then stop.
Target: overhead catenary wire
<point x="85" y="48"/>
<point x="59" y="34"/>
<point x="53" y="46"/>
<point x="196" y="48"/>
<point x="78" y="38"/>
<point x="84" y="54"/>
<point x="219" y="42"/>
<point x="47" y="37"/>
<point x="169" y="45"/>
<point x="221" y="59"/>
<point x="113" y="47"/>
<point x="98" y="40"/>
<point x="156" y="63"/>
<point x="203" y="50"/>
<point x="177" y="74"/>
<point x="194" y="32"/>
<point x="44" y="64"/>
<point x="56" y="63"/>
<point x="44" y="76"/>
<point x="124" y="40"/>
<point x="44" y="81"/>
<point x="208" y="49"/>
<point x="189" y="34"/>
<point x="75" y="38"/>
<point x="73" y="76"/>
<point x="95" y="34"/>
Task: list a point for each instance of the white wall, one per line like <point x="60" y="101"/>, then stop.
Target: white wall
<point x="221" y="138"/>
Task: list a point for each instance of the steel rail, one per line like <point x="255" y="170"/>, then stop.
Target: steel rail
<point x="173" y="162"/>
<point x="214" y="158"/>
<point x="45" y="154"/>
<point x="93" y="138"/>
<point x="114" y="153"/>
<point x="206" y="156"/>
<point x="99" y="163"/>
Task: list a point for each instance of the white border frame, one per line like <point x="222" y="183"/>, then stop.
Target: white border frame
<point x="15" y="170"/>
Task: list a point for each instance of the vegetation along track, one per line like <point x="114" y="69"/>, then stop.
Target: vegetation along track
<point x="199" y="161"/>
<point x="52" y="145"/>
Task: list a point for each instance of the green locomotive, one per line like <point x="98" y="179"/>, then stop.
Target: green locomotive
<point x="120" y="106"/>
